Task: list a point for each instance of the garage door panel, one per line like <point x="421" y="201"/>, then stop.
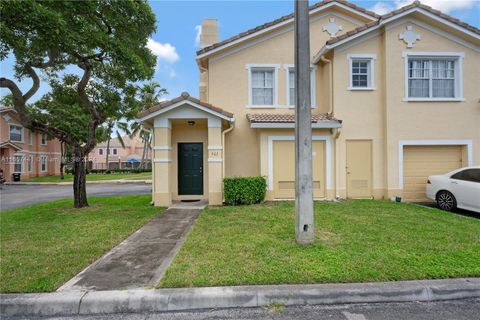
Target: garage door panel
<point x="284" y="169"/>
<point x="422" y="161"/>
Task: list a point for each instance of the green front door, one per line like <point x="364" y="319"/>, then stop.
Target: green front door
<point x="190" y="169"/>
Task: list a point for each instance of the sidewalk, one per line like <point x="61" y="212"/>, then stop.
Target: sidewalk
<point x="158" y="300"/>
<point x="140" y="260"/>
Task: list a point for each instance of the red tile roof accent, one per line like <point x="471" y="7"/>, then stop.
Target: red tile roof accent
<point x="282" y="19"/>
<point x="182" y="97"/>
<point x="286" y="118"/>
<point x="398" y="11"/>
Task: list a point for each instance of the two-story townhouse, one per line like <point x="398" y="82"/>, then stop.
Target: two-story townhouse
<point x="30" y="153"/>
<point x="120" y="156"/>
<point x="395" y="98"/>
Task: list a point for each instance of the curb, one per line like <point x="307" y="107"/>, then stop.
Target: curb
<point x="120" y="181"/>
<point x="69" y="303"/>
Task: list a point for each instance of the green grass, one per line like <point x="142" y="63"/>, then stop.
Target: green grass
<point x="355" y="241"/>
<point x="95" y="177"/>
<point x="44" y="245"/>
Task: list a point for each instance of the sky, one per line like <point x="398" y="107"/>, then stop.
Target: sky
<point x="176" y="40"/>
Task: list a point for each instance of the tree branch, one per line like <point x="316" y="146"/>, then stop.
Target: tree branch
<point x="52" y="56"/>
<point x="18" y="100"/>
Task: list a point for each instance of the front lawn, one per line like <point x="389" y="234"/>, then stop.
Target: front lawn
<point x="95" y="177"/>
<point x="355" y="241"/>
<point x="44" y="245"/>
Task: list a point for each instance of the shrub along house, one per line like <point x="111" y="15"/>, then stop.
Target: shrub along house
<point x="395" y="98"/>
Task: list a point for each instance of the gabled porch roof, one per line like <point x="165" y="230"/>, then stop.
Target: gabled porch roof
<point x="185" y="99"/>
<point x="10" y="144"/>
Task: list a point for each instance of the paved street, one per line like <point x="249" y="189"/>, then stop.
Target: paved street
<point x="12" y="196"/>
<point x="446" y="310"/>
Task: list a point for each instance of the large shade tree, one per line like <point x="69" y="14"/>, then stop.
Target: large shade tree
<point x="97" y="48"/>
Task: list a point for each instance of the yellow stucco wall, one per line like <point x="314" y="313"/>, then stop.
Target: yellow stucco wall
<point x="228" y="89"/>
<point x="382" y="114"/>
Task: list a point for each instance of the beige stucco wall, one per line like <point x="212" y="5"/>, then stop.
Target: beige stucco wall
<point x="228" y="89"/>
<point x="361" y="113"/>
<point x="379" y="115"/>
<point x="383" y="116"/>
<point x="428" y="120"/>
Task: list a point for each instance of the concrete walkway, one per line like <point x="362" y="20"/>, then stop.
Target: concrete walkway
<point x="141" y="260"/>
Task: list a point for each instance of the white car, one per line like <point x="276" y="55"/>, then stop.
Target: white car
<point x="456" y="189"/>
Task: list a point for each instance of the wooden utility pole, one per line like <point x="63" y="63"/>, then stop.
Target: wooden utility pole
<point x="304" y="233"/>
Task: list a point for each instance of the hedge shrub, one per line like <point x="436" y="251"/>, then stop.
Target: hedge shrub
<point x="244" y="190"/>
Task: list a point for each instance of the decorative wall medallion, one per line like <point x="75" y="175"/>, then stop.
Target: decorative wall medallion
<point x="409" y="36"/>
<point x="7" y="117"/>
<point x="332" y="27"/>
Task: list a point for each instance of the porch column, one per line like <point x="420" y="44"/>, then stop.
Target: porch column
<point x="215" y="196"/>
<point x="162" y="165"/>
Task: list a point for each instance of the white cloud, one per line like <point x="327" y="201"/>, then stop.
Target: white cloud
<point x="164" y="51"/>
<point x="446" y="6"/>
<point x="198" y="29"/>
<point x="382" y="8"/>
<point x="442" y="5"/>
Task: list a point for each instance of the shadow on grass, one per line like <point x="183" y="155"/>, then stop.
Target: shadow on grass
<point x="458" y="211"/>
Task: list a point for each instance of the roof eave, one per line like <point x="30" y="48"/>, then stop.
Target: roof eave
<point x="202" y="55"/>
<point x="383" y="22"/>
<point x="323" y="124"/>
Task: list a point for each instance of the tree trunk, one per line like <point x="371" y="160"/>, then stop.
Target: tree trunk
<point x="79" y="180"/>
<point x="62" y="159"/>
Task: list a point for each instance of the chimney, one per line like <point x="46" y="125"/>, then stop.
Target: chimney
<point x="209" y="33"/>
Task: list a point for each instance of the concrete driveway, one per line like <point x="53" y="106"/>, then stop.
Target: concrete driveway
<point x="13" y="196"/>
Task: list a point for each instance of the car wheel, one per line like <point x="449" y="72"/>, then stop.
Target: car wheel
<point x="446" y="201"/>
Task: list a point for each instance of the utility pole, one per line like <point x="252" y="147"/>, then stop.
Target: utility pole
<point x="304" y="233"/>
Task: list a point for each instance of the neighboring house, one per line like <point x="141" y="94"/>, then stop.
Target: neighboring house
<point x="119" y="157"/>
<point x="24" y="151"/>
<point x="395" y="98"/>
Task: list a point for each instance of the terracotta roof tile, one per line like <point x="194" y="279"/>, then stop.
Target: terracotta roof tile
<point x="182" y="97"/>
<point x="285" y="118"/>
<point x="398" y="11"/>
<point x="282" y="19"/>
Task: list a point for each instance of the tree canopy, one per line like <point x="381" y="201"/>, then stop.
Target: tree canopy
<point x="91" y="53"/>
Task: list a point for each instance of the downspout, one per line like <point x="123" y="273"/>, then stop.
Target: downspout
<point x="336" y="134"/>
<point x="330" y="71"/>
<point x="224" y="132"/>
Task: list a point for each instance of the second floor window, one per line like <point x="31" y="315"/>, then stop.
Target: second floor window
<point x="263" y="86"/>
<point x="431" y="78"/>
<point x="115" y="151"/>
<point x="43" y="139"/>
<point x="16" y="133"/>
<point x="291" y="86"/>
<point x="361" y="71"/>
<point x="100" y="152"/>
